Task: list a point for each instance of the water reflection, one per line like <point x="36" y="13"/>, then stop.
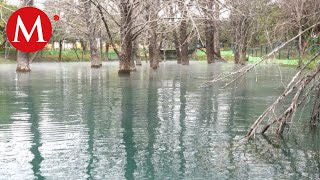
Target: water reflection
<point x="127" y="125"/>
<point x="36" y="134"/>
<point x="73" y="122"/>
<point x="182" y="121"/>
<point x="152" y="112"/>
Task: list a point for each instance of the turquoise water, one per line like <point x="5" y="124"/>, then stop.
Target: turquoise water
<point x="68" y="121"/>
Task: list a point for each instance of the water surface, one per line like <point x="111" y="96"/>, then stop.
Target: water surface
<point x="68" y="121"/>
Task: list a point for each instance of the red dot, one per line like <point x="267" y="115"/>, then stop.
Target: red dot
<point x="56" y="17"/>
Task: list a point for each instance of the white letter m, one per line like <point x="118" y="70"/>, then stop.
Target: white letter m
<point x="27" y="35"/>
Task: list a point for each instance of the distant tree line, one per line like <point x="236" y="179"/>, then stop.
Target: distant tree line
<point x="126" y="24"/>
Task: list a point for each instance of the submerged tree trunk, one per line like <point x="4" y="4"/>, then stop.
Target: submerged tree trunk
<point x="23" y="57"/>
<point x="23" y="62"/>
<point x="126" y="37"/>
<point x="60" y="49"/>
<point x="132" y="63"/>
<point x="133" y="58"/>
<point x="92" y="35"/>
<point x="125" y="57"/>
<point x="94" y="53"/>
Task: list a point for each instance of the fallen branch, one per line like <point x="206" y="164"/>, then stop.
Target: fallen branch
<point x="294" y="84"/>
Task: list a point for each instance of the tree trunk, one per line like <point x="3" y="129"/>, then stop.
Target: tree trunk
<point x="300" y="49"/>
<point x="176" y="41"/>
<point x="107" y="50"/>
<point x="241" y="52"/>
<point x="136" y="53"/>
<point x="84" y="46"/>
<point x="236" y="54"/>
<point x="315" y="116"/>
<point x="210" y="43"/>
<point x="241" y="41"/>
<point x="145" y="51"/>
<point x="243" y="55"/>
<point x="184" y="38"/>
<point x="154" y="53"/>
<point x="23" y="62"/>
<point x="92" y="27"/>
<point x="133" y="58"/>
<point x="132" y="63"/>
<point x="126" y="37"/>
<point x="209" y="33"/>
<point x="177" y="46"/>
<point x="101" y="49"/>
<point x="94" y="53"/>
<point x="60" y="49"/>
<point x="216" y="30"/>
<point x="23" y="57"/>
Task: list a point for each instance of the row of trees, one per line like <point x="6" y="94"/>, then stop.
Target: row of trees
<point x="126" y="24"/>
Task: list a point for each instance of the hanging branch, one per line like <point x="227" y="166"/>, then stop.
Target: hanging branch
<point x="106" y="26"/>
<point x="287" y="115"/>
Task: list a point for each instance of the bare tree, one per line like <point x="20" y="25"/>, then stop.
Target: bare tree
<point x="208" y="7"/>
<point x="244" y="17"/>
<point x="216" y="19"/>
<point x="183" y="33"/>
<point x="298" y="15"/>
<point x="152" y="17"/>
<point x="92" y="23"/>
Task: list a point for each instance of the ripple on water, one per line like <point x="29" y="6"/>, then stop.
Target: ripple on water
<point x="68" y="121"/>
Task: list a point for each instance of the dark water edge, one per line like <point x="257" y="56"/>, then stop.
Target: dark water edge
<point x="68" y="121"/>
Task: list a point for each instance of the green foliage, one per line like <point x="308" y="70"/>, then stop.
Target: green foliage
<point x="6" y="61"/>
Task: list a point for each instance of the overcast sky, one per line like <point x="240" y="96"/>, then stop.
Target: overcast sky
<point x="38" y="3"/>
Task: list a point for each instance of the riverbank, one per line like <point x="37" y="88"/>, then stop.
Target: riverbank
<point x="229" y="56"/>
<point x="71" y="56"/>
<point x="7" y="61"/>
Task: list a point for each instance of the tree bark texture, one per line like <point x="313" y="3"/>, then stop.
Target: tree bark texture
<point x="126" y="37"/>
<point x="92" y="34"/>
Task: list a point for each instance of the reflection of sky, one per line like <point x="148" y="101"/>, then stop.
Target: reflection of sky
<point x="90" y="124"/>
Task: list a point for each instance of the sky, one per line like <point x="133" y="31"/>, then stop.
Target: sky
<point x="38" y="3"/>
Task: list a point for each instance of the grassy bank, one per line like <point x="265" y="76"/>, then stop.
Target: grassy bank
<point x="71" y="56"/>
<point x="53" y="56"/>
<point x="229" y="56"/>
<point x="6" y="61"/>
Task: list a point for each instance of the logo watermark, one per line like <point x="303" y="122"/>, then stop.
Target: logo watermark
<point x="29" y="29"/>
